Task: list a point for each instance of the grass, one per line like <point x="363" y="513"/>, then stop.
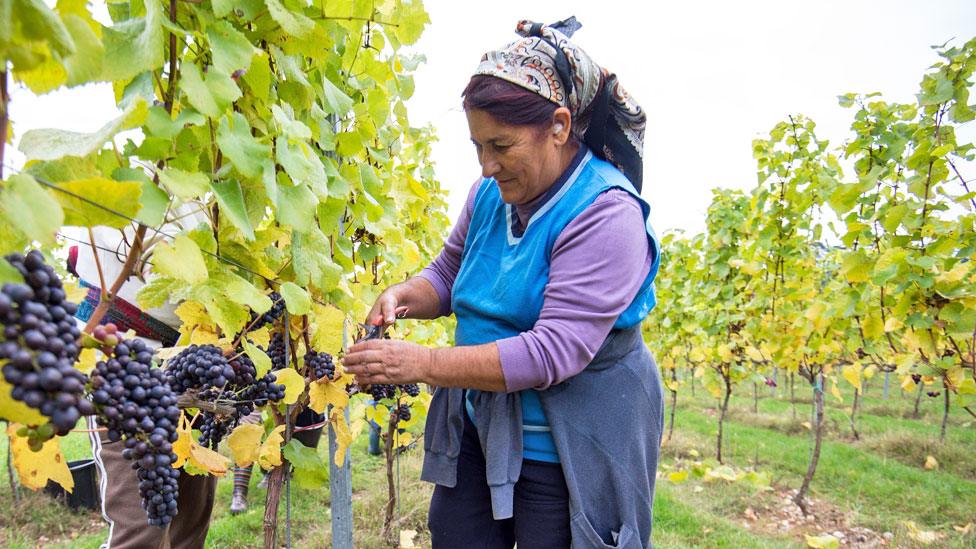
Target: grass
<point x="878" y="483"/>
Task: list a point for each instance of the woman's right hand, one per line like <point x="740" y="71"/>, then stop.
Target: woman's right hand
<point x="386" y="309"/>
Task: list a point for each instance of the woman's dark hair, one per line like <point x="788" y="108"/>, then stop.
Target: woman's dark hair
<point x="507" y="102"/>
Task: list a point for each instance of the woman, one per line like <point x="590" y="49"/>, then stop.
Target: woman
<point x="545" y="426"/>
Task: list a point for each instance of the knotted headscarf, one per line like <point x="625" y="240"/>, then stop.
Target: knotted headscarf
<point x="605" y="117"/>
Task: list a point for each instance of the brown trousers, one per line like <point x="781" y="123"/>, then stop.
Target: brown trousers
<point x="122" y="506"/>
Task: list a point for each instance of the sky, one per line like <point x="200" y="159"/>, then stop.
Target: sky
<point x="711" y="76"/>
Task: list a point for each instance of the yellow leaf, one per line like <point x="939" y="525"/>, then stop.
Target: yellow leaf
<point x="328" y="393"/>
<point x="677" y="477"/>
<point x="725" y="352"/>
<point x="931" y="463"/>
<point x="294" y="384"/>
<point x="693" y="453"/>
<point x="208" y="460"/>
<point x="75" y="292"/>
<point x="872" y="327"/>
<point x="806" y="425"/>
<point x="836" y="392"/>
<point x="378" y="414"/>
<point x="16" y="411"/>
<point x="893" y="324"/>
<point x="35" y="468"/>
<point x="187" y="450"/>
<point x="245" y="443"/>
<point x="955" y="275"/>
<point x="261" y="337"/>
<point x="924" y="537"/>
<point x="327" y="334"/>
<point x="87" y="359"/>
<point x="723" y="472"/>
<point x="754" y="354"/>
<point x="696" y="355"/>
<point x="964" y="530"/>
<point x="852" y="373"/>
<point x="406" y="538"/>
<point x="907" y="384"/>
<point x="401" y="440"/>
<point x="822" y="542"/>
<point x="343" y="435"/>
<point x="270" y="453"/>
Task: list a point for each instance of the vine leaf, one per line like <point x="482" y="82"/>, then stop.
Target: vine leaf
<point x="231" y="200"/>
<point x="16" y="411"/>
<point x="270" y="454"/>
<point x="231" y="49"/>
<point x="31" y="209"/>
<point x="120" y="196"/>
<point x="310" y="469"/>
<point x="182" y="260"/>
<point x="262" y="363"/>
<point x="185" y="185"/>
<point x="35" y="468"/>
<point x="293" y="23"/>
<point x="245" y="152"/>
<point x="211" y="95"/>
<point x="245" y="443"/>
<point x="297" y="300"/>
<point x="50" y="144"/>
<point x="134" y="46"/>
<point x="187" y="450"/>
<point x="294" y="384"/>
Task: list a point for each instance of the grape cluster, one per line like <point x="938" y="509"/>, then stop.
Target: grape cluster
<point x="216" y="378"/>
<point x="321" y="364"/>
<point x="136" y="405"/>
<point x="402" y="411"/>
<point x="271" y="315"/>
<point x="276" y="351"/>
<point x="40" y="345"/>
<point x="378" y="391"/>
<point x="199" y="367"/>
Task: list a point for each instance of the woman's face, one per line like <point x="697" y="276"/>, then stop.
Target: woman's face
<point x="523" y="160"/>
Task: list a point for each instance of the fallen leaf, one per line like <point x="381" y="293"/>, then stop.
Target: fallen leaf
<point x="931" y="463"/>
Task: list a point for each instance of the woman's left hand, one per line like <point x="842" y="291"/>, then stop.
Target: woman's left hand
<point x="388" y="361"/>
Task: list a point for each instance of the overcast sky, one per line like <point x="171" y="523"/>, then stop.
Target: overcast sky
<point x="711" y="75"/>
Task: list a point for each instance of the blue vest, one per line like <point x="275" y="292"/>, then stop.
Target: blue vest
<point x="498" y="292"/>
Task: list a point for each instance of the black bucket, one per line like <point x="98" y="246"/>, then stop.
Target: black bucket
<point x="310" y="437"/>
<point x="85" y="493"/>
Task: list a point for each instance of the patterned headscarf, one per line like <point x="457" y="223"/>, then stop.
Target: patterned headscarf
<point x="605" y="117"/>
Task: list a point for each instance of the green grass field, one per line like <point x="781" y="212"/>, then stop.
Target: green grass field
<point x="875" y="492"/>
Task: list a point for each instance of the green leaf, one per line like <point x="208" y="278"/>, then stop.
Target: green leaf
<point x="245" y="152"/>
<point x="411" y="23"/>
<point x="310" y="469"/>
<point x="295" y="207"/>
<point x="153" y="202"/>
<point x="119" y="196"/>
<point x="43" y="77"/>
<point x="258" y="77"/>
<point x="231" y="49"/>
<point x="300" y="162"/>
<point x="49" y="144"/>
<point x="262" y="363"/>
<point x="311" y="260"/>
<point x="182" y="260"/>
<point x="39" y="23"/>
<point x="243" y="292"/>
<point x="297" y="300"/>
<point x="230" y="316"/>
<point x="135" y="45"/>
<point x="293" y="23"/>
<point x="336" y="101"/>
<point x="85" y="64"/>
<point x="231" y="201"/>
<point x="157" y="292"/>
<point x="211" y="95"/>
<point x="31" y="209"/>
<point x="185" y="185"/>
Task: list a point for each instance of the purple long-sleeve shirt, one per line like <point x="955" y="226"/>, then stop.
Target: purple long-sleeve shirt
<point x="597" y="266"/>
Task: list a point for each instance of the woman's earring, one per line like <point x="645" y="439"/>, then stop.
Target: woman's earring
<point x="557" y="128"/>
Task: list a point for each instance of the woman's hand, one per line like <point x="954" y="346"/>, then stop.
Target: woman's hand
<point x="386" y="309"/>
<point x="388" y="361"/>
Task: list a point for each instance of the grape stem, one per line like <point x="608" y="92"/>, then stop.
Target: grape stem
<point x="98" y="264"/>
<point x="130" y="260"/>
